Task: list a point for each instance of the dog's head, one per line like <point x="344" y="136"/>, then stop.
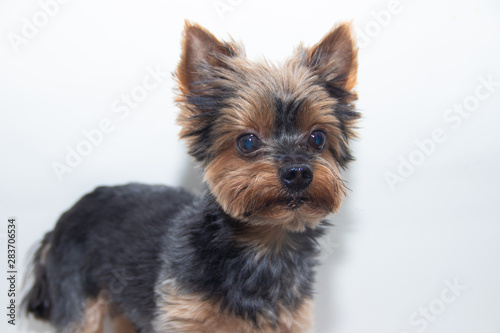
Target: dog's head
<point x="271" y="138"/>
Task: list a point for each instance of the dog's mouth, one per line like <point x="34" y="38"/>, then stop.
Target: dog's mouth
<point x="285" y="203"/>
<point x="294" y="203"/>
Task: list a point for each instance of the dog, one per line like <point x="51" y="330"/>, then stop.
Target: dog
<point x="272" y="140"/>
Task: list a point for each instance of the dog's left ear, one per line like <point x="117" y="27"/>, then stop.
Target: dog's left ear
<point x="335" y="61"/>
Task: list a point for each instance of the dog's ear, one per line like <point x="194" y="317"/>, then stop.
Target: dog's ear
<point x="200" y="51"/>
<point x="204" y="88"/>
<point x="335" y="61"/>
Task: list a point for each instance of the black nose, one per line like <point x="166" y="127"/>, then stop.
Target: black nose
<point x="296" y="177"/>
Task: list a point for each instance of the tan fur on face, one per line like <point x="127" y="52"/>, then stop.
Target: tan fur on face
<point x="251" y="191"/>
<point x="248" y="187"/>
<point x="190" y="313"/>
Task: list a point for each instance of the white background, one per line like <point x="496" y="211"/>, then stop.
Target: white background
<point x="392" y="248"/>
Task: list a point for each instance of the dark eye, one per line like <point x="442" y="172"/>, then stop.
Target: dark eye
<point x="317" y="140"/>
<point x="248" y="143"/>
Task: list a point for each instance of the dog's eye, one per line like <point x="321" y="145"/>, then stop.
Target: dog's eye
<point x="248" y="143"/>
<point x="317" y="140"/>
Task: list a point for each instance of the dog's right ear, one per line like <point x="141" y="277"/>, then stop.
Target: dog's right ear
<point x="201" y="51"/>
<point x="204" y="88"/>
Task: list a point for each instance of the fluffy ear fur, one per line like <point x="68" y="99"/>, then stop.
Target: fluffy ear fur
<point x="335" y="60"/>
<point x="202" y="89"/>
<point x="200" y="49"/>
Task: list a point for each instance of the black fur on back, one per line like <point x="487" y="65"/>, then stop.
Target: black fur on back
<point x="108" y="242"/>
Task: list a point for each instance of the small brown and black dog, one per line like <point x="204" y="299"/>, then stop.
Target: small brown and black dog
<point x="272" y="140"/>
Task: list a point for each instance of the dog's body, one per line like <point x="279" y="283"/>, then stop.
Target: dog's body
<point x="153" y="247"/>
<point x="241" y="257"/>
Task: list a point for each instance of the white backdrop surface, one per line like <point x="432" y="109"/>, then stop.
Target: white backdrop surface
<point x="415" y="247"/>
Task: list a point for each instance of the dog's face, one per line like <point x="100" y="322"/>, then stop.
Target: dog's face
<point x="271" y="139"/>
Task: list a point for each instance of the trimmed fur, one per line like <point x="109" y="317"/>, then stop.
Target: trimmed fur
<point x="241" y="257"/>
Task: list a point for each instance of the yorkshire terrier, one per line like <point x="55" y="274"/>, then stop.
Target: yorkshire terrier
<point x="271" y="140"/>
